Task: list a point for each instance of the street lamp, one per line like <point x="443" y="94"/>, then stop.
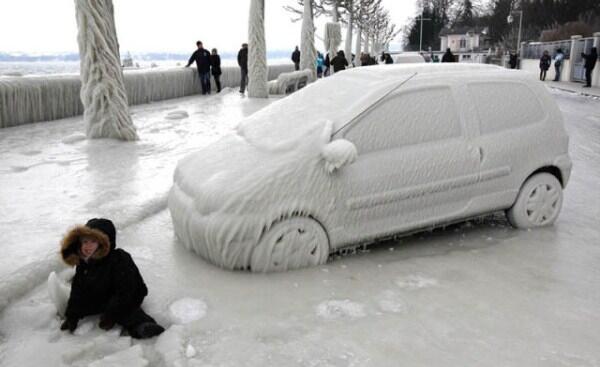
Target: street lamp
<point x="510" y="19"/>
<point x="421" y="32"/>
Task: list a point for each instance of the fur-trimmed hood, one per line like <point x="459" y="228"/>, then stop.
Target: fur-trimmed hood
<point x="102" y="230"/>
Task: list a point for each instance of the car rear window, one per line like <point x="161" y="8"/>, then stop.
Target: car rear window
<point x="407" y="118"/>
<point x="505" y="105"/>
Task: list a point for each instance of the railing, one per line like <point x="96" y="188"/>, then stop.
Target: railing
<point x="536" y="50"/>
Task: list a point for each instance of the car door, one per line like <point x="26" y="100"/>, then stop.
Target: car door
<point x="414" y="165"/>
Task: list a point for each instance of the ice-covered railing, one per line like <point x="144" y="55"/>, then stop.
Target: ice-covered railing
<point x="287" y="83"/>
<point x="25" y="100"/>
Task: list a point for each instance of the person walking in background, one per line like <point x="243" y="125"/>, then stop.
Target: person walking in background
<point x="545" y="62"/>
<point x="364" y="59"/>
<point x="320" y="64"/>
<point x="327" y="64"/>
<point x="296" y="59"/>
<point x="202" y="59"/>
<point x="339" y="62"/>
<point x="558" y="60"/>
<point x="448" y="56"/>
<point x="388" y="59"/>
<point x="512" y="60"/>
<point x="215" y="68"/>
<point x="242" y="59"/>
<point x="590" y="64"/>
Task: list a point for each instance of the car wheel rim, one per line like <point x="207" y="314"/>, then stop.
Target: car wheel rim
<point x="543" y="204"/>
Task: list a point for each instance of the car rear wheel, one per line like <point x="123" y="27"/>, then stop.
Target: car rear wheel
<point x="538" y="203"/>
<point x="292" y="243"/>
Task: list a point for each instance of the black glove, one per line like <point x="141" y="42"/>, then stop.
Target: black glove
<point x="69" y="324"/>
<point x="106" y="323"/>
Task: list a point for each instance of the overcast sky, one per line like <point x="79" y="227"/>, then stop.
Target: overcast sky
<point x="48" y="26"/>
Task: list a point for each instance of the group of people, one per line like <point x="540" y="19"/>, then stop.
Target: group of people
<point x="589" y="64"/>
<point x="339" y="62"/>
<point x="209" y="63"/>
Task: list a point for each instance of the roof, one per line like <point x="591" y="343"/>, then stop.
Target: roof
<point x="341" y="97"/>
<point x="461" y="30"/>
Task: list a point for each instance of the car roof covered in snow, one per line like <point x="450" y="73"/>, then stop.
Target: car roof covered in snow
<point x="343" y="96"/>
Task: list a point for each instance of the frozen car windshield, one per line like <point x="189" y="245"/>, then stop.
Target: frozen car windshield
<point x="337" y="99"/>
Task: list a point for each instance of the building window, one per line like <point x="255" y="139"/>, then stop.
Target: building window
<point x="463" y="43"/>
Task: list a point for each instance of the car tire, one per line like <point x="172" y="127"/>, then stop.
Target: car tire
<point x="538" y="203"/>
<point x="291" y="243"/>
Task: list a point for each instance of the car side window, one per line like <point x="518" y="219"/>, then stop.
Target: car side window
<point x="407" y="118"/>
<point x="504" y="105"/>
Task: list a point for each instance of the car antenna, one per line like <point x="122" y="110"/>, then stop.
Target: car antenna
<point x="377" y="102"/>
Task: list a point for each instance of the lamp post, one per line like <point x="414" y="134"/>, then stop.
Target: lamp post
<point x="421" y="33"/>
<point x="510" y="19"/>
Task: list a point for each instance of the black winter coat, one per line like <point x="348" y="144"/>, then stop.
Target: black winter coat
<point x="296" y="56"/>
<point x="202" y="58"/>
<point x="448" y="57"/>
<point x="339" y="63"/>
<point x="545" y="62"/>
<point x="590" y="60"/>
<point x="242" y="59"/>
<point x="215" y="63"/>
<point x="109" y="283"/>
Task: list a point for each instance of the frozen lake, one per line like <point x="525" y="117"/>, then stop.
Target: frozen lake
<point x="474" y="294"/>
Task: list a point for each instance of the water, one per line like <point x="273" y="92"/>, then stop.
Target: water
<point x="29" y="68"/>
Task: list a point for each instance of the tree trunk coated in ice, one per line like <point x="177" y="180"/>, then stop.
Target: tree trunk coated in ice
<point x="103" y="95"/>
<point x="333" y="38"/>
<point x="348" y="48"/>
<point x="308" y="54"/>
<point x="358" y="50"/>
<point x="257" y="51"/>
<point x="367" y="39"/>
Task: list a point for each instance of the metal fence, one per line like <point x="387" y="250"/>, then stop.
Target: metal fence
<point x="536" y="50"/>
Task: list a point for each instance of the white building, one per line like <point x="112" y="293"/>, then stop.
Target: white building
<point x="462" y="39"/>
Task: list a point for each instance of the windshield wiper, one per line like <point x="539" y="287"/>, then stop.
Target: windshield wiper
<point x="377" y="102"/>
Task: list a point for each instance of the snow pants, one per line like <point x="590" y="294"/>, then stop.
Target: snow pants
<point x="588" y="77"/>
<point x="132" y="320"/>
<point x="244" y="80"/>
<point x="557" y="71"/>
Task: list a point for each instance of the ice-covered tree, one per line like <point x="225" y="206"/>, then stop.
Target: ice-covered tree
<point x="106" y="111"/>
<point x="257" y="51"/>
<point x="349" y="30"/>
<point x="308" y="54"/>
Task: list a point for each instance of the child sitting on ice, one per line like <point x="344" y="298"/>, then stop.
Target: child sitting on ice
<point x="106" y="281"/>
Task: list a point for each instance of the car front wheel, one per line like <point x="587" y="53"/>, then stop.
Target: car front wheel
<point x="538" y="203"/>
<point x="292" y="243"/>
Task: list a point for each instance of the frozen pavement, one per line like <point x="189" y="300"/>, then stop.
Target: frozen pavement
<point x="474" y="294"/>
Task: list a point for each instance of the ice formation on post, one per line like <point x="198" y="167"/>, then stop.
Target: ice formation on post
<point x="348" y="48"/>
<point x="106" y="111"/>
<point x="333" y="38"/>
<point x="357" y="46"/>
<point x="257" y="51"/>
<point x="308" y="54"/>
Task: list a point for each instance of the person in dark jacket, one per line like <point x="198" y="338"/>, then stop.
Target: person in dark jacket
<point x="106" y="282"/>
<point x="448" y="56"/>
<point x="590" y="64"/>
<point x="327" y="64"/>
<point x="513" y="60"/>
<point x="296" y="58"/>
<point x="215" y="68"/>
<point x="545" y="62"/>
<point x="388" y="59"/>
<point x="339" y="62"/>
<point x="202" y="59"/>
<point x="242" y="59"/>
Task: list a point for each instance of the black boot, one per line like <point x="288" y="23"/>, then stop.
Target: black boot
<point x="146" y="330"/>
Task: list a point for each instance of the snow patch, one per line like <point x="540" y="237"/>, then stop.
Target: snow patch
<point x="132" y="357"/>
<point x="340" y="309"/>
<point x="414" y="281"/>
<point x="187" y="310"/>
<point x="390" y="301"/>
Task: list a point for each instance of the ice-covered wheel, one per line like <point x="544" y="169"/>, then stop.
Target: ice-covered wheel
<point x="292" y="243"/>
<point x="538" y="203"/>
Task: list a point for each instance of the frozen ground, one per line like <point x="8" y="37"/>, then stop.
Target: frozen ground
<point x="475" y="294"/>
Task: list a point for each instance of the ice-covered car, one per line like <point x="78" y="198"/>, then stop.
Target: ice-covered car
<point x="369" y="153"/>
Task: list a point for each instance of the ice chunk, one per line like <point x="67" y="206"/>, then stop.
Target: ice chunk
<point x="340" y="309"/>
<point x="187" y="310"/>
<point x="73" y="138"/>
<point x="190" y="351"/>
<point x="415" y="281"/>
<point x="177" y="115"/>
<point x="59" y="292"/>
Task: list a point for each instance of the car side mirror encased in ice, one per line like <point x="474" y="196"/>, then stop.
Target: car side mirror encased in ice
<point x="338" y="153"/>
